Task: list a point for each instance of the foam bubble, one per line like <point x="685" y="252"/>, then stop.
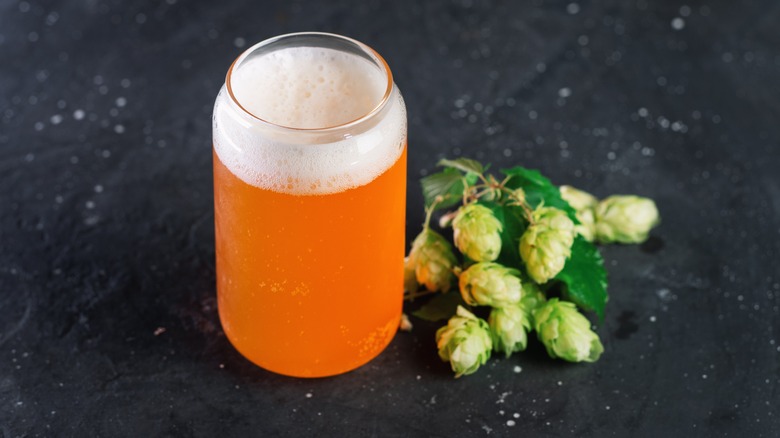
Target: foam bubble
<point x="308" y="88"/>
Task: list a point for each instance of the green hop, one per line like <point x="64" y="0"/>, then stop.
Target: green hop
<point x="578" y="199"/>
<point x="477" y="233"/>
<point x="433" y="260"/>
<point x="625" y="219"/>
<point x="583" y="203"/>
<point x="532" y="298"/>
<point x="509" y="327"/>
<point x="464" y="342"/>
<point x="410" y="276"/>
<point x="518" y="195"/>
<point x="546" y="244"/>
<point x="490" y="284"/>
<point x="566" y="333"/>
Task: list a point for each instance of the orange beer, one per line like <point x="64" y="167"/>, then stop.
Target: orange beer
<point x="309" y="198"/>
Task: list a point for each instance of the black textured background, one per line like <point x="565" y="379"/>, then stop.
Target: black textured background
<point x="106" y="215"/>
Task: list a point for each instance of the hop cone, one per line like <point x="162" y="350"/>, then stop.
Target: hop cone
<point x="509" y="327"/>
<point x="490" y="284"/>
<point x="464" y="342"/>
<point x="625" y="219"/>
<point x="410" y="276"/>
<point x="546" y="244"/>
<point x="578" y="199"/>
<point x="532" y="298"/>
<point x="433" y="260"/>
<point x="477" y="233"/>
<point x="584" y="203"/>
<point x="566" y="333"/>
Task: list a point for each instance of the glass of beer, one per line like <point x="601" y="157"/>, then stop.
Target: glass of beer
<point x="309" y="147"/>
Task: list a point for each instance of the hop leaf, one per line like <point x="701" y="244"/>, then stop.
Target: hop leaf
<point x="583" y="203"/>
<point x="432" y="259"/>
<point x="477" y="233"/>
<point x="464" y="342"/>
<point x="546" y="244"/>
<point x="566" y="333"/>
<point x="490" y="284"/>
<point x="625" y="219"/>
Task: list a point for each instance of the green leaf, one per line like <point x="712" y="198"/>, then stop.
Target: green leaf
<point x="463" y="164"/>
<point x="584" y="277"/>
<point x="537" y="189"/>
<point x="449" y="184"/>
<point x="441" y="306"/>
<point x="513" y="220"/>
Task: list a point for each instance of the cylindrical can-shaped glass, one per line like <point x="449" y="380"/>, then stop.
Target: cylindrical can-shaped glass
<point x="309" y="147"/>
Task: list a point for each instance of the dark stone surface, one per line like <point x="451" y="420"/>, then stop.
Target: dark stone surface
<point x="106" y="218"/>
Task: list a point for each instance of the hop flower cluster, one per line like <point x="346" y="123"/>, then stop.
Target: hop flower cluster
<point x="616" y="219"/>
<point x="503" y="266"/>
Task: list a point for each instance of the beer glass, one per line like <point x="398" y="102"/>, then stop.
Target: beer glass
<point x="309" y="149"/>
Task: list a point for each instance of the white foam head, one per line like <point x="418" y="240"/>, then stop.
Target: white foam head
<point x="304" y="96"/>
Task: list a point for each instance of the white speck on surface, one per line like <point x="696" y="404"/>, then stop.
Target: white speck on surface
<point x="678" y="23"/>
<point x="106" y="153"/>
<point x="121" y="102"/>
<point x="564" y="92"/>
<point x="56" y="119"/>
<point x="119" y="129"/>
<point x="487" y="429"/>
<point x="125" y="83"/>
<point x="52" y="18"/>
<point x="642" y="112"/>
<point x="309" y="395"/>
<point x="573" y="8"/>
<point x="704" y="376"/>
<point x="607" y="407"/>
<point x="98" y="188"/>
<point x="79" y="114"/>
<point x="510" y="423"/>
<point x="90" y="205"/>
<point x="239" y="42"/>
<point x="517" y="369"/>
<point x="532" y="115"/>
<point x="653" y="318"/>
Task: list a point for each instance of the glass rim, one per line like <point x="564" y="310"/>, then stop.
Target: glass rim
<point x="380" y="61"/>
